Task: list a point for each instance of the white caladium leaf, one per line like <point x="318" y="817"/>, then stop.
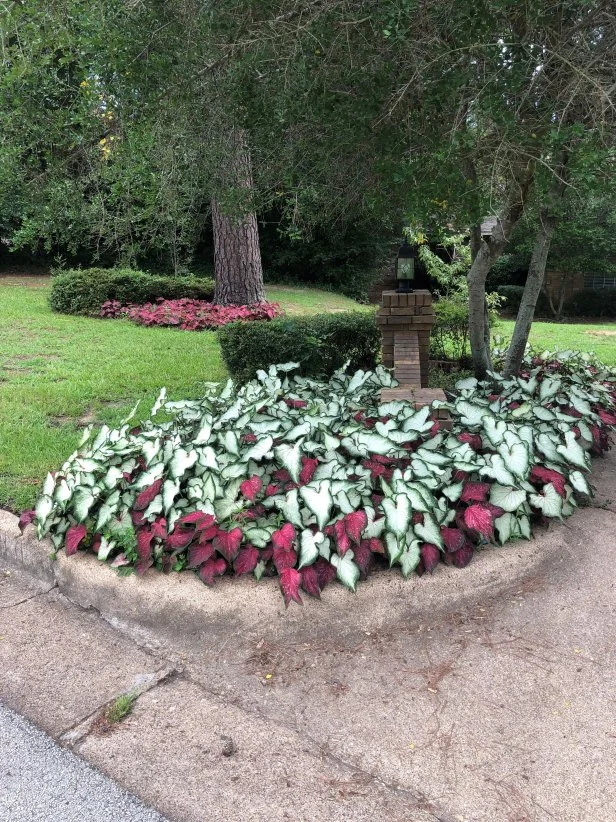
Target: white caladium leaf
<point x="291" y="458"/>
<point x="331" y="443"/>
<point x="257" y="536"/>
<point x="397" y="514"/>
<point x="516" y="458"/>
<point x="506" y="497"/>
<point x="348" y="501"/>
<point x="259" y="450"/>
<point x="374" y="528"/>
<point x="544" y="414"/>
<point x="495" y="430"/>
<point x="585" y="431"/>
<point x="420" y="497"/>
<point x="154" y="508"/>
<point x="452" y="492"/>
<point x="546" y="443"/>
<point x="394" y="547"/>
<point x="43" y="509"/>
<point x="504" y="527"/>
<point x="573" y="451"/>
<point x="522" y="410"/>
<point x="289" y="507"/>
<point x="431" y="457"/>
<point x="151" y="450"/>
<point x="105" y="548"/>
<point x="581" y="405"/>
<point x="549" y="388"/>
<point x="230" y="442"/>
<point x="471" y="414"/>
<point x="159" y="402"/>
<point x="50" y="484"/>
<point x="309" y="547"/>
<point x="83" y="500"/>
<point x="468" y="384"/>
<point x="419" y="422"/>
<point x="107" y="510"/>
<point x="495" y="467"/>
<point x="112" y="477"/>
<point x="579" y="482"/>
<point x="63" y="493"/>
<point x="523" y="524"/>
<point x="171" y="488"/>
<point x="428" y="531"/>
<point x="368" y="442"/>
<point x="301" y="430"/>
<point x="318" y="497"/>
<point x="550" y="502"/>
<point x="85" y="436"/>
<point x="346" y="570"/>
<point x="181" y="461"/>
<point x="409" y="558"/>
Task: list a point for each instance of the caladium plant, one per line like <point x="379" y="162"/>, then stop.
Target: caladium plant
<point x="314" y="481"/>
<point x="188" y="314"/>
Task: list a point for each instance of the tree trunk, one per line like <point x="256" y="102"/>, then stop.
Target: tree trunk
<point x="532" y="289"/>
<point x="237" y="257"/>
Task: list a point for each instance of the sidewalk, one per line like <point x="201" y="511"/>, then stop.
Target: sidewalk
<point x="491" y="705"/>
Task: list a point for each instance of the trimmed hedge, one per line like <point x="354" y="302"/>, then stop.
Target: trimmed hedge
<point x="513" y="298"/>
<point x="321" y="344"/>
<point x="83" y="291"/>
<point x="592" y="303"/>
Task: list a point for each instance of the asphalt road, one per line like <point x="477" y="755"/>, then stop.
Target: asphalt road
<point x="40" y="782"/>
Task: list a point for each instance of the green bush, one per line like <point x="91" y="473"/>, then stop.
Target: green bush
<point x="591" y="303"/>
<point x="512" y="295"/>
<point x="449" y="337"/>
<point x="83" y="291"/>
<point x="321" y="344"/>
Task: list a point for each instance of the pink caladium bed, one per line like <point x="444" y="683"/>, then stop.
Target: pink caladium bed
<point x="316" y="481"/>
<point x="188" y="314"/>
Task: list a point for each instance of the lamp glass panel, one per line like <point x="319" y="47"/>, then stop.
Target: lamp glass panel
<point x="406" y="268"/>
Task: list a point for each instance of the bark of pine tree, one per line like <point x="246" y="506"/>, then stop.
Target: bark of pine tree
<point x="237" y="257"/>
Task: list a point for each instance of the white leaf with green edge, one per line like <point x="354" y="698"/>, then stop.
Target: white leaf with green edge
<point x="544" y="414"/>
<point x="506" y="497"/>
<point x="325" y="548"/>
<point x="206" y="457"/>
<point x="420" y="497"/>
<point x="549" y="388"/>
<point x="233" y="471"/>
<point x="581" y="405"/>
<point x="367" y="443"/>
<point x="301" y="430"/>
<point x="358" y="379"/>
<point x="431" y="457"/>
<point x="527" y="434"/>
<point x="211" y="487"/>
<point x="63" y="493"/>
<point x="230" y="442"/>
<point x="504" y="527"/>
<point x="524" y="526"/>
<point x="181" y="461"/>
<point x="112" y="477"/>
<point x="171" y="488"/>
<point x="226" y="508"/>
<point x="259" y="537"/>
<point x="516" y="458"/>
<point x="470" y="414"/>
<point x="346" y="570"/>
<point x="409" y="558"/>
<point x="149" y="477"/>
<point x="397" y="514"/>
<point x="43" y="508"/>
<point x="550" y="503"/>
<point x="85" y="436"/>
<point x="270" y="425"/>
<point x="496" y="469"/>
<point x="324" y="470"/>
<point x="374" y="529"/>
<point x="419" y="421"/>
<point x="154" y="508"/>
<point x="547" y="446"/>
<point x="290" y="456"/>
<point x="49" y="485"/>
<point x="585" y="431"/>
<point x="453" y="492"/>
<point x="390" y="409"/>
<point x="259" y="570"/>
<point x="259" y="450"/>
<point x="83" y="500"/>
<point x="309" y="547"/>
<point x="385" y="428"/>
<point x="204" y="434"/>
<point x="331" y="443"/>
<point x="467" y="384"/>
<point x="495" y="430"/>
<point x="428" y="531"/>
<point x="105" y="548"/>
<point x="107" y="510"/>
<point x="318" y="498"/>
<point x="289" y="507"/>
<point x="435" y="443"/>
<point x="348" y="501"/>
<point x="528" y="386"/>
<point x="573" y="451"/>
<point x="579" y="482"/>
<point x="158" y="404"/>
<point x="394" y="547"/>
<point x="427" y="469"/>
<point x="569" y="507"/>
<point x="522" y="410"/>
<point x="150" y="449"/>
<point x="86" y="466"/>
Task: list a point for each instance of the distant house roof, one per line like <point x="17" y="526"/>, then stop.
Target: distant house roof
<point x="487" y="224"/>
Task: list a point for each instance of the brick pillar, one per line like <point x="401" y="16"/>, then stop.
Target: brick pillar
<point x="405" y="321"/>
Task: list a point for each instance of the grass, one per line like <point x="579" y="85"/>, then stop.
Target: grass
<point x="58" y="373"/>
<point x="598" y="338"/>
<point x="120" y="708"/>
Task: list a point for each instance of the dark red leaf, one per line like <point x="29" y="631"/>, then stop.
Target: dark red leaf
<point x="290" y="580"/>
<point x="284" y="537"/>
<point x="143" y="564"/>
<point x="294" y="403"/>
<point x="207" y="534"/>
<point x="227" y="543"/>
<point x="284" y="558"/>
<point x="96" y="544"/>
<point x="246" y="560"/>
<point x="144" y="543"/>
<point x="376" y="546"/>
<point x="251" y="487"/>
<point x="159" y="528"/>
<point x="73" y="538"/>
<point x="430" y="555"/>
<point x="453" y="538"/>
<point x="354" y="524"/>
<point x="325" y="572"/>
<point x="475" y="492"/>
<point x="249" y="438"/>
<point x="309" y="466"/>
<point x="606" y="417"/>
<point x="364" y="558"/>
<point x="542" y="476"/>
<point x="137" y="518"/>
<point x="271" y="490"/>
<point x="417" y="518"/>
<point x="145" y="497"/>
<point x="25" y="519"/>
<point x="199" y="519"/>
<point x="310" y="581"/>
<point x="180" y="538"/>
<point x="199" y="554"/>
<point x="281" y="475"/>
<point x="342" y="538"/>
<point x="212" y="568"/>
<point x="462" y="557"/>
<point x="474" y="440"/>
<point x="479" y="518"/>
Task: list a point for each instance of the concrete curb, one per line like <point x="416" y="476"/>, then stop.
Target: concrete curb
<point x="165" y="607"/>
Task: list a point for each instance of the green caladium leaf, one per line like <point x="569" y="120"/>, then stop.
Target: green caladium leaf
<point x="394" y="547"/>
<point x="579" y="482"/>
<point x="428" y="531"/>
<point x="318" y="497"/>
<point x="495" y="467"/>
<point x="409" y="558"/>
<point x="83" y="500"/>
<point x="549" y="388"/>
<point x="516" y="458"/>
<point x="506" y="497"/>
<point x="397" y="514"/>
<point x="290" y="456"/>
<point x="495" y="430"/>
<point x="504" y="527"/>
<point x="452" y="492"/>
<point x="346" y="570"/>
<point x="309" y="547"/>
<point x="470" y="414"/>
<point x="550" y="502"/>
<point x="573" y="451"/>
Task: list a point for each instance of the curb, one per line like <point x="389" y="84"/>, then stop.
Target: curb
<point x="164" y="608"/>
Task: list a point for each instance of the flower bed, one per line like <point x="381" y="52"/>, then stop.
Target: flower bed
<point x="313" y="481"/>
<point x="188" y="314"/>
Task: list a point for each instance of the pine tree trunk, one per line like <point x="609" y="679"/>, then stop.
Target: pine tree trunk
<point x="237" y="257"/>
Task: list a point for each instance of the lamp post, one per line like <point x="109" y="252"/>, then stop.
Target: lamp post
<point x="405" y="268"/>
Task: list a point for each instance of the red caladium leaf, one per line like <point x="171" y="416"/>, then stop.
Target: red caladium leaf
<point x="542" y="476"/>
<point x="251" y="487"/>
<point x="475" y="492"/>
<point x="417" y="518"/>
<point x="354" y="524"/>
<point x="145" y="497"/>
<point x="478" y="518"/>
<point x="120" y="560"/>
<point x="436" y="427"/>
<point x="382" y="459"/>
<point x="212" y="568"/>
<point x="208" y="534"/>
<point x="249" y="438"/>
<point x="606" y="418"/>
<point x="180" y="538"/>
<point x="74" y="536"/>
<point x="143" y="564"/>
<point x="364" y="558"/>
<point x="137" y="518"/>
<point x="271" y="490"/>
<point x="266" y="553"/>
<point x="246" y="560"/>
<point x="376" y="546"/>
<point x="159" y="528"/>
<point x="25" y="519"/>
<point x="227" y="543"/>
<point x="377" y="499"/>
<point x="199" y="554"/>
<point x="375" y="468"/>
<point x="294" y="403"/>
<point x="474" y="440"/>
<point x="453" y="538"/>
<point x="290" y="580"/>
<point x="325" y="572"/>
<point x="310" y="581"/>
<point x="495" y="510"/>
<point x="144" y="543"/>
<point x="199" y="519"/>
<point x="459" y="476"/>
<point x="309" y="466"/>
<point x="281" y="475"/>
<point x="464" y="555"/>
<point x="96" y="544"/>
<point x="430" y="556"/>
<point x="284" y="558"/>
<point x="284" y="537"/>
<point x="342" y="538"/>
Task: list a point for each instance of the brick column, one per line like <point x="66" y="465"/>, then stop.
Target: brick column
<point x="405" y="321"/>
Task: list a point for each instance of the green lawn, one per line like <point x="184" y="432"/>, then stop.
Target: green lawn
<point x="57" y="373"/>
<point x="599" y="338"/>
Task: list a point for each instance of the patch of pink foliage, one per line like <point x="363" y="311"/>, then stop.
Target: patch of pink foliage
<point x="188" y="314"/>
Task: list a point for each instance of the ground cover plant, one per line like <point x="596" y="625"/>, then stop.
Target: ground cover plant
<point x="187" y="314"/>
<point x="313" y="481"/>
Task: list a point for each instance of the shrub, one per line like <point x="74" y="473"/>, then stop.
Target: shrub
<point x="320" y="344"/>
<point x="512" y="297"/>
<point x="189" y="315"/>
<point x="592" y="303"/>
<point x="449" y="337"/>
<point x="83" y="291"/>
<point x="313" y="481"/>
